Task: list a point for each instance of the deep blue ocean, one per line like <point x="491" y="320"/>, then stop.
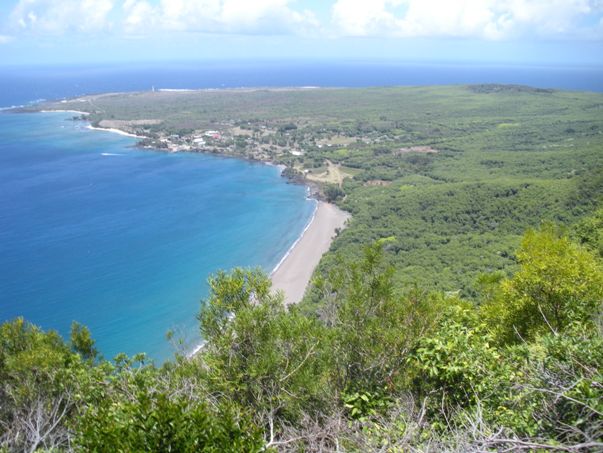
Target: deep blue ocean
<point x="123" y="240"/>
<point x="21" y="85"/>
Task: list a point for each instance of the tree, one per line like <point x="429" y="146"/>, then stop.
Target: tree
<point x="333" y="192"/>
<point x="150" y="419"/>
<point x="456" y="363"/>
<point x="260" y="354"/>
<point x="374" y="327"/>
<point x="589" y="232"/>
<point x="82" y="342"/>
<point x="38" y="384"/>
<point x="558" y="283"/>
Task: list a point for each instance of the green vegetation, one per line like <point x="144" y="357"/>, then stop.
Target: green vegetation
<point x="373" y="369"/>
<point x="454" y="174"/>
<point x="461" y="310"/>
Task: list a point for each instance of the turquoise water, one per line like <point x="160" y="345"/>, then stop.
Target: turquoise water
<point x="123" y="240"/>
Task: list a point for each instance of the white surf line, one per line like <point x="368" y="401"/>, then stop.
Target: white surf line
<point x="65" y="111"/>
<point x="200" y="346"/>
<point x="13" y="107"/>
<point x="115" y="131"/>
<point x="196" y="350"/>
<point x="296" y="241"/>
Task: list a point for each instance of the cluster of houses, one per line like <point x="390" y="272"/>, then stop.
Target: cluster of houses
<point x="175" y="142"/>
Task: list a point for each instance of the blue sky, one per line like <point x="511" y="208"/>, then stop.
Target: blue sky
<point x="566" y="32"/>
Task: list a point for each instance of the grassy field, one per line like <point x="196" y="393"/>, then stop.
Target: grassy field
<point x="500" y="159"/>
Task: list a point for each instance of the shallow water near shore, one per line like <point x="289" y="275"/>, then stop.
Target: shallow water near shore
<point x="122" y="240"/>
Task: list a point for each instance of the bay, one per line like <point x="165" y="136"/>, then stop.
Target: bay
<point x="123" y="240"/>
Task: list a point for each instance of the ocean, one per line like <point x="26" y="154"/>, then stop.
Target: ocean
<point x="25" y="84"/>
<point x="123" y="240"/>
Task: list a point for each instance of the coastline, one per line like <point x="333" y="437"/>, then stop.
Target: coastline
<point x="294" y="272"/>
<point x="94" y="128"/>
<point x="288" y="252"/>
<point x="115" y="131"/>
<point x="65" y="111"/>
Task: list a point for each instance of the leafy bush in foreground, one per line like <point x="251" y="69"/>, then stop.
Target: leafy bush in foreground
<point x="373" y="369"/>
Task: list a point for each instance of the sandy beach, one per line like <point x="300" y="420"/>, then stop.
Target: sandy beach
<point x="115" y="131"/>
<point x="65" y="111"/>
<point x="90" y="126"/>
<point x="295" y="271"/>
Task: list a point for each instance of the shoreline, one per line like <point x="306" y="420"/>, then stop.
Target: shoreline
<point x="290" y="249"/>
<point x="95" y="128"/>
<point x="115" y="131"/>
<point x="293" y="273"/>
<point x="309" y="184"/>
<point x="65" y="111"/>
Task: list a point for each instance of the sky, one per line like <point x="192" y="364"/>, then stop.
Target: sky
<point x="538" y="32"/>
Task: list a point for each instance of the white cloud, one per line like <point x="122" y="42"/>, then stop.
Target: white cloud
<point x="4" y="39"/>
<point x="59" y="16"/>
<point x="491" y="19"/>
<point x="217" y="16"/>
<point x="138" y="15"/>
